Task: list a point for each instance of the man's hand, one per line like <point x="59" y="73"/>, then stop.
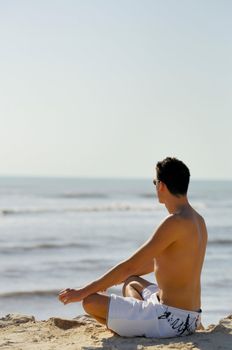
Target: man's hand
<point x="68" y="295"/>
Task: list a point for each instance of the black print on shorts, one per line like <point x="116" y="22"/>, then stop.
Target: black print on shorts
<point x="177" y="324"/>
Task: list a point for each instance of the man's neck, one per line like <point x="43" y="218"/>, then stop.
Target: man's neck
<point x="176" y="205"/>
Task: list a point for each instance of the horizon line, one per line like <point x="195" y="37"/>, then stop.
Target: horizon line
<point x="87" y="177"/>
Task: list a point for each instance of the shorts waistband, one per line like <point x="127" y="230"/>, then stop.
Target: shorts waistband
<point x="183" y="312"/>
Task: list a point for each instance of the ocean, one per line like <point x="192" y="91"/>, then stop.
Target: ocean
<point x="65" y="232"/>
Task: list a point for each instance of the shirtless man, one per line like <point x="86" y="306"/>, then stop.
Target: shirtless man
<point x="175" y="252"/>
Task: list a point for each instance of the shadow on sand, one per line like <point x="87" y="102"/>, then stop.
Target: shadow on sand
<point x="214" y="338"/>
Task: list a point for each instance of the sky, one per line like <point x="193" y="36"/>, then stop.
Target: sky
<point x="105" y="88"/>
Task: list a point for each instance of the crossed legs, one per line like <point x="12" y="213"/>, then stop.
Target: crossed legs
<point x="97" y="305"/>
<point x="133" y="287"/>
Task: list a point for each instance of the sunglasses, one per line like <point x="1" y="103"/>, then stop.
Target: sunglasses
<point x="155" y="182"/>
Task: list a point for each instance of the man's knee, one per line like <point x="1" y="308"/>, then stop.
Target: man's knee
<point x="128" y="282"/>
<point x="88" y="303"/>
<point x="96" y="305"/>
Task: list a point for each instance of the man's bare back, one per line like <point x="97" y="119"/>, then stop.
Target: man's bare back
<point x="178" y="268"/>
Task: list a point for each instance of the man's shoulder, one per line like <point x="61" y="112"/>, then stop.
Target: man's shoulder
<point x="180" y="218"/>
<point x="171" y="220"/>
<point x="180" y="224"/>
<point x="175" y="224"/>
<point x="169" y="225"/>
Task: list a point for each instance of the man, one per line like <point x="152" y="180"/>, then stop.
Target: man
<point x="175" y="252"/>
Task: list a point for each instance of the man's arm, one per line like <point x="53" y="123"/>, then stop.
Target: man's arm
<point x="145" y="269"/>
<point x="159" y="241"/>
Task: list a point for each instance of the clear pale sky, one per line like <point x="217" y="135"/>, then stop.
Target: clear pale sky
<point x="107" y="88"/>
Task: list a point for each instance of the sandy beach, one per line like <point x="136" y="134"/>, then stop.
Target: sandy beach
<point x="25" y="333"/>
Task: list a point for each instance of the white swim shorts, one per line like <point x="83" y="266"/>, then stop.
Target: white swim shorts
<point x="130" y="317"/>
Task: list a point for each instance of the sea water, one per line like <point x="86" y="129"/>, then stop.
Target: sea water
<point x="65" y="232"/>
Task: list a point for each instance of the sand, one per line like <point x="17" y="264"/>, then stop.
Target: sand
<point x="24" y="333"/>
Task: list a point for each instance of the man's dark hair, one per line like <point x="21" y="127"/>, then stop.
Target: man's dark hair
<point x="175" y="174"/>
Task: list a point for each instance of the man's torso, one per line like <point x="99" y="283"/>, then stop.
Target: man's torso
<point x="178" y="268"/>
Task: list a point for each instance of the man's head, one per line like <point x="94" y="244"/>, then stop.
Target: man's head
<point x="174" y="174"/>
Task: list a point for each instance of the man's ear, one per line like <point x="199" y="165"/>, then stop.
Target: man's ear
<point x="162" y="186"/>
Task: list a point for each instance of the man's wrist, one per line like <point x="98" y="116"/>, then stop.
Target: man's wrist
<point x="89" y="289"/>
